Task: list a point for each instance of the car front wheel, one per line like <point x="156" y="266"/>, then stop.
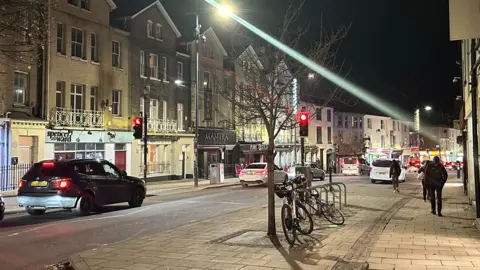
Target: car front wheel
<point x="137" y="198"/>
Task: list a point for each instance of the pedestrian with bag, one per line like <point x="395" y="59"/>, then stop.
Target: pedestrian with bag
<point x="421" y="177"/>
<point x="395" y="171"/>
<point x="436" y="176"/>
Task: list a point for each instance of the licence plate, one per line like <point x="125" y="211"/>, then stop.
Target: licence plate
<point x="382" y="173"/>
<point x="251" y="173"/>
<point x="39" y="184"/>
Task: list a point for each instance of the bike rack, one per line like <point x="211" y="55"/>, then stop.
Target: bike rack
<point x="327" y="190"/>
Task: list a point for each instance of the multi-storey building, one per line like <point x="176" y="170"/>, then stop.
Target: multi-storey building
<point x="156" y="66"/>
<point x="87" y="85"/>
<point x="216" y="135"/>
<point x="320" y="141"/>
<point x="348" y="133"/>
<point x="442" y="142"/>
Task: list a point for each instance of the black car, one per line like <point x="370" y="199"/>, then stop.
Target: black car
<point x="79" y="185"/>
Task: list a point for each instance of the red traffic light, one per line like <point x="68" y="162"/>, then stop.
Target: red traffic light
<point x="137" y="121"/>
<point x="303" y="117"/>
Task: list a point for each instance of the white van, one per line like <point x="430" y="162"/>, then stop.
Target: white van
<point x="381" y="171"/>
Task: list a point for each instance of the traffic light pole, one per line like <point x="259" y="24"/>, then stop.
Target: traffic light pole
<point x="302" y="150"/>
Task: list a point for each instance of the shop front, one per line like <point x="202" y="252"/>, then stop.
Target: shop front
<point x="74" y="144"/>
<point x="216" y="146"/>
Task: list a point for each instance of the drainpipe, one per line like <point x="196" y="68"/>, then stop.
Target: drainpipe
<point x="474" y="93"/>
<point x="46" y="68"/>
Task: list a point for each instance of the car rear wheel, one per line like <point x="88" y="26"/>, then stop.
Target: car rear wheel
<point x="85" y="205"/>
<point x="35" y="212"/>
<point x="244" y="185"/>
<point x="373" y="181"/>
<point x="137" y="198"/>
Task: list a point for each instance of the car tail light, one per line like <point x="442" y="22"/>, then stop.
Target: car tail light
<point x="48" y="164"/>
<point x="63" y="183"/>
<point x="242" y="172"/>
<point x="287" y="169"/>
<point x="261" y="172"/>
<point x="21" y="183"/>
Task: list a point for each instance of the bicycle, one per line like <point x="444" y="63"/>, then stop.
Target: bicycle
<point x="311" y="197"/>
<point x="293" y="211"/>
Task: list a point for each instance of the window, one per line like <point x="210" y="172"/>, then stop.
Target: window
<point x="141" y="106"/>
<point x="93" y="47"/>
<point x="318" y="114"/>
<point x="206" y="79"/>
<point x="398" y="126"/>
<point x="154" y="108"/>
<point x="164" y="69"/>
<point x="369" y="123"/>
<point x="110" y="171"/>
<point x="60" y="39"/>
<point x="79" y="151"/>
<point x="154" y="66"/>
<point x="93" y="98"/>
<point x="78" y="43"/>
<point x="85" y="4"/>
<point x="329" y="116"/>
<point x="150" y="29"/>
<point x="319" y="135"/>
<point x="158" y="31"/>
<point x="73" y="2"/>
<point x="354" y="122"/>
<point x="329" y="134"/>
<point x="393" y="125"/>
<point x="340" y="121"/>
<point x="405" y="128"/>
<point x="382" y="141"/>
<point x="116" y="54"/>
<point x="180" y="71"/>
<point x="393" y="141"/>
<point x="142" y="63"/>
<point x="346" y="121"/>
<point x="76" y="96"/>
<point x="59" y="94"/>
<point x="19" y="88"/>
<point x="360" y="122"/>
<point x="116" y="98"/>
<point x="382" y="124"/>
<point x="180" y="116"/>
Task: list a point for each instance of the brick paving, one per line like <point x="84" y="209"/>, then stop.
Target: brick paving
<point x="390" y="231"/>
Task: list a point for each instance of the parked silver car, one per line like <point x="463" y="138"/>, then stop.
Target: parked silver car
<point x="317" y="172"/>
<point x="2" y="208"/>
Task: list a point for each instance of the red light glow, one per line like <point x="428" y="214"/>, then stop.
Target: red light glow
<point x="137" y="121"/>
<point x="48" y="164"/>
<point x="303" y="117"/>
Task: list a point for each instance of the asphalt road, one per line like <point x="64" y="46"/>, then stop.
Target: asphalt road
<point x="28" y="242"/>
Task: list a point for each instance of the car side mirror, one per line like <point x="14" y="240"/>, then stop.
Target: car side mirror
<point x="124" y="173"/>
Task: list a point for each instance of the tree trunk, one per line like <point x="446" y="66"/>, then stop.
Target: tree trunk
<point x="271" y="189"/>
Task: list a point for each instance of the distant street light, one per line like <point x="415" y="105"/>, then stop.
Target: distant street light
<point x="311" y="76"/>
<point x="428" y="108"/>
<point x="178" y="82"/>
<point x="225" y="10"/>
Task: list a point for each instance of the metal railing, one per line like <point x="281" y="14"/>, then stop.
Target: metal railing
<point x="10" y="175"/>
<point x="157" y="168"/>
<point x="163" y="126"/>
<point x="76" y="118"/>
<point x="333" y="188"/>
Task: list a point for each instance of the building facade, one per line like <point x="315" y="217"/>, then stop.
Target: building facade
<point x="87" y="85"/>
<point x="155" y="66"/>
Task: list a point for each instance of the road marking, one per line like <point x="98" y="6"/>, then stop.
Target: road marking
<point x="78" y="221"/>
<point x="235" y="203"/>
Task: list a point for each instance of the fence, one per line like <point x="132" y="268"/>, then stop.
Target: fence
<point x="10" y="175"/>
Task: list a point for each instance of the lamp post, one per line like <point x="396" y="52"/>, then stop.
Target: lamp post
<point x="417" y="122"/>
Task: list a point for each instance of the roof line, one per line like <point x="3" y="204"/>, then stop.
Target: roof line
<point x="164" y="13"/>
<point x="215" y="38"/>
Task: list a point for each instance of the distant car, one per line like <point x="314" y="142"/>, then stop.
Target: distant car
<point x="355" y="166"/>
<point x="317" y="172"/>
<point x="2" y="208"/>
<point x="78" y="185"/>
<point x="381" y="171"/>
<point x="256" y="173"/>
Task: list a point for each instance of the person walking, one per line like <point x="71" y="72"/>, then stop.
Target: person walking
<point x="436" y="176"/>
<point x="395" y="171"/>
<point x="426" y="193"/>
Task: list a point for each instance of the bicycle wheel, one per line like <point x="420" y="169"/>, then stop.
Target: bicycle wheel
<point x="288" y="225"/>
<point x="332" y="214"/>
<point x="304" y="219"/>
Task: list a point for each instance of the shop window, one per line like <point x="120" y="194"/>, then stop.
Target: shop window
<point x="79" y="151"/>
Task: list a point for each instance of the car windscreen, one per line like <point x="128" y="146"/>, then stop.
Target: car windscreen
<point x="349" y="161"/>
<point x="255" y="166"/>
<point x="47" y="170"/>
<point x="382" y="163"/>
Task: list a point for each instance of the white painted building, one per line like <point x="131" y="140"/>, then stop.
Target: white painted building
<point x="348" y="133"/>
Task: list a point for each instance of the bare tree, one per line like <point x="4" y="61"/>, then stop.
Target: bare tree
<point x="265" y="91"/>
<point x="23" y="30"/>
<point x="349" y="145"/>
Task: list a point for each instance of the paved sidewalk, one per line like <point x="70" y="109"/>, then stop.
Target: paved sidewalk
<point x="237" y="240"/>
<point x="168" y="187"/>
<point x="415" y="239"/>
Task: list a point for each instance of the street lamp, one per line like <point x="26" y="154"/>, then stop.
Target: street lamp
<point x="417" y="122"/>
<point x="311" y="76"/>
<point x="428" y="108"/>
<point x="224" y="10"/>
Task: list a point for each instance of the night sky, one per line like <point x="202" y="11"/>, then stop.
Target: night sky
<point x="398" y="49"/>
